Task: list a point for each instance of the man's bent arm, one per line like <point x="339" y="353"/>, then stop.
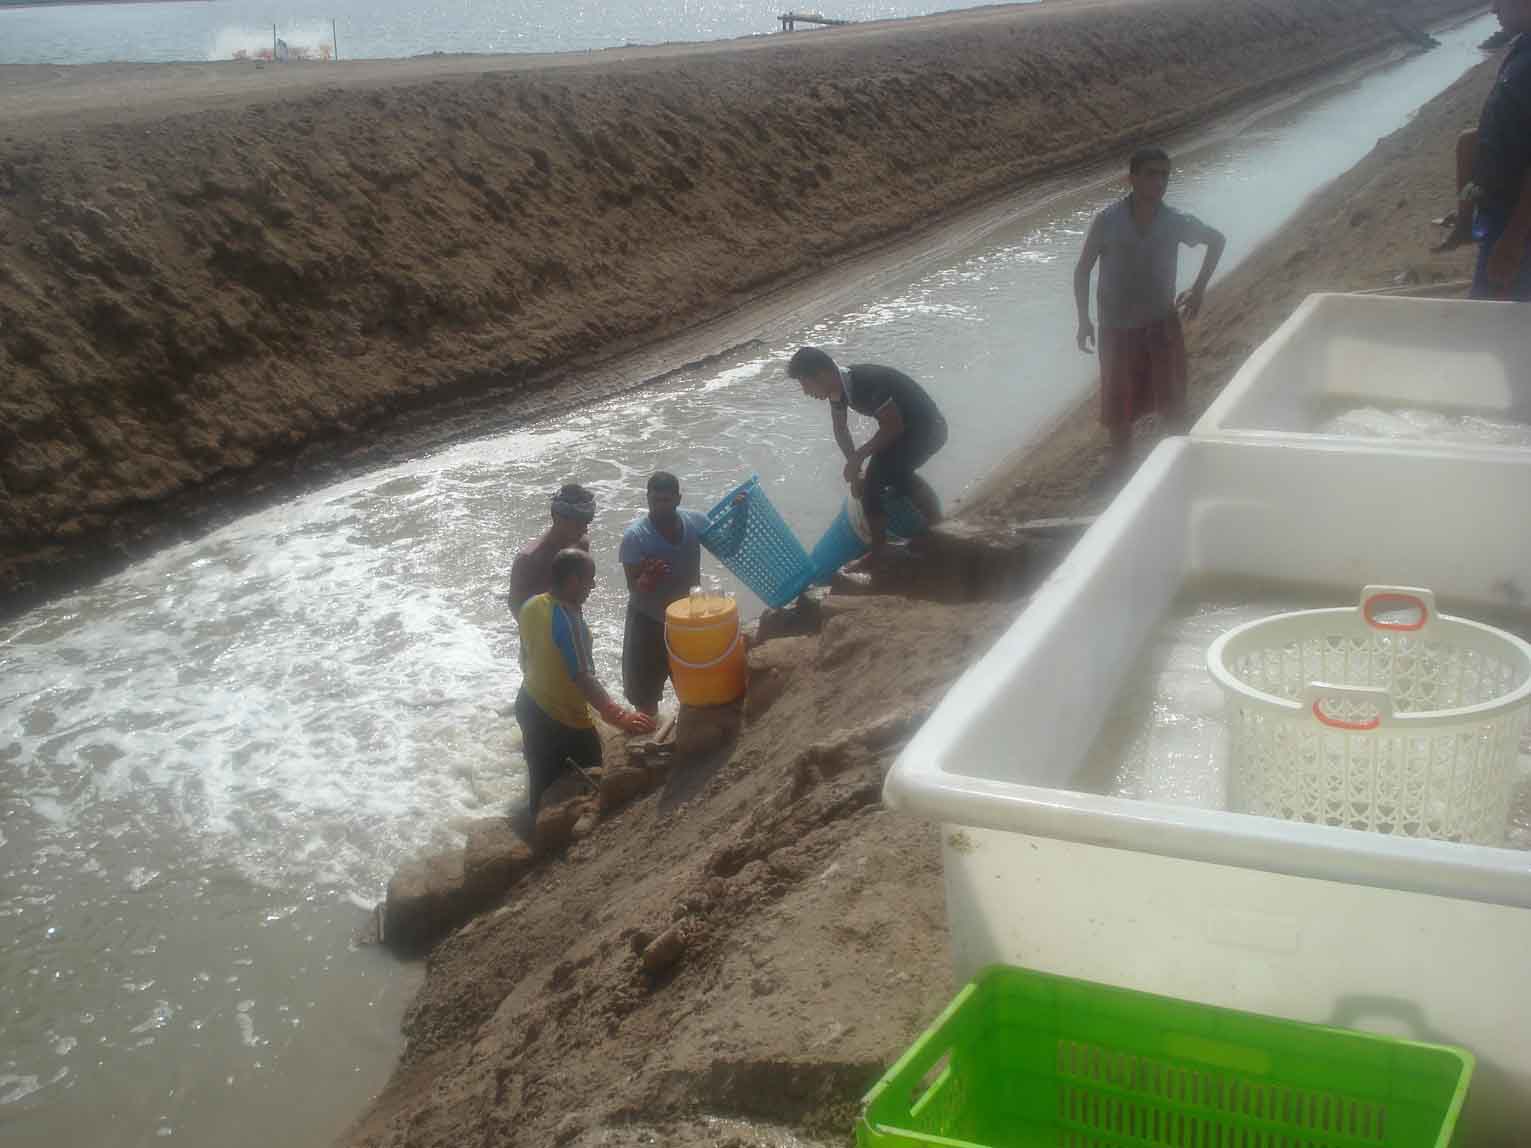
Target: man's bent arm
<point x="594" y="692"/>
<point x="890" y="425"/>
<point x="1087" y="260"/>
<point x="843" y="440"/>
<point x="1216" y="243"/>
<point x="520" y="575"/>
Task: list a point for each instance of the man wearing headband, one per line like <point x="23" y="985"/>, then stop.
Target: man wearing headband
<point x="532" y="571"/>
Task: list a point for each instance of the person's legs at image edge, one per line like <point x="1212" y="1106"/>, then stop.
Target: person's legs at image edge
<point x="645" y="662"/>
<point x="539" y="747"/>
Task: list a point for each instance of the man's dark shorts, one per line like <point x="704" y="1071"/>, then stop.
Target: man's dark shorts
<point x="893" y="469"/>
<point x="645" y="661"/>
<point x="548" y="745"/>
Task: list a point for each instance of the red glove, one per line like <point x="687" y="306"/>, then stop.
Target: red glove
<point x="636" y="721"/>
<point x="629" y="721"/>
<point x="650" y="571"/>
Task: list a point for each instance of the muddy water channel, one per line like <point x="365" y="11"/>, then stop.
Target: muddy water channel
<point x="210" y="763"/>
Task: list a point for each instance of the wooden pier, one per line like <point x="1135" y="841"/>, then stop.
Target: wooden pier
<point x="790" y="20"/>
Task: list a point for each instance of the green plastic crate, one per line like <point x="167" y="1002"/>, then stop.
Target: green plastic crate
<point x="1022" y="1059"/>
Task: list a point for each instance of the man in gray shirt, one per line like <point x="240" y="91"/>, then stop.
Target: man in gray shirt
<point x="1142" y="346"/>
<point x="661" y="554"/>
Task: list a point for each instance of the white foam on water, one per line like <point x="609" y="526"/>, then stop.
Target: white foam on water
<point x="1165" y="739"/>
<point x="306" y="39"/>
<point x="303" y="693"/>
<point x="14" y="1088"/>
<point x="735" y="376"/>
<point x="1423" y="423"/>
<point x="246" y="1025"/>
<point x="159" y="1016"/>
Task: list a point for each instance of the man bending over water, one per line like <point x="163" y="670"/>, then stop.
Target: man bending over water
<point x="910" y="430"/>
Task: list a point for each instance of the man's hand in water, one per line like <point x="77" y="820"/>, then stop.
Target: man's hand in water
<point x="1086" y="336"/>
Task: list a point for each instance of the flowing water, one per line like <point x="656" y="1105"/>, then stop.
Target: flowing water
<point x="386" y="29"/>
<point x="211" y="762"/>
<point x="1426" y="424"/>
<point x="1167" y="736"/>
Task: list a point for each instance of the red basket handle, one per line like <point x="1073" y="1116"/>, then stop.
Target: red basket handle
<point x="1318" y="693"/>
<point x="1377" y="598"/>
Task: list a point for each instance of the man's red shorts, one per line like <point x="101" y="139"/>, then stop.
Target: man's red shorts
<point x="1142" y="369"/>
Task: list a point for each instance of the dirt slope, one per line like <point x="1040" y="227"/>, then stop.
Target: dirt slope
<point x="814" y="918"/>
<point x="186" y="294"/>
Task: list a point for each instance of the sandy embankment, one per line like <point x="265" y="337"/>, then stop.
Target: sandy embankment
<point x="193" y="302"/>
<point x="813" y="917"/>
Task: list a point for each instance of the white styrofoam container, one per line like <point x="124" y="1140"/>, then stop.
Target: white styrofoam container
<point x="1418" y="938"/>
<point x="1339" y="352"/>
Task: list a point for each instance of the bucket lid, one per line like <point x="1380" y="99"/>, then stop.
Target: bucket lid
<point x="701" y="610"/>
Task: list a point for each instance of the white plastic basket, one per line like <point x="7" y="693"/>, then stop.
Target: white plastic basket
<point x="1355" y="717"/>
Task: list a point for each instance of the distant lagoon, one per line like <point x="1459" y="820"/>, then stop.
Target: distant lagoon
<point x="51" y="32"/>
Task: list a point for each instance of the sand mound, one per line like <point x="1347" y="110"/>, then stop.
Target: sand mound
<point x="750" y="942"/>
<point x="801" y="925"/>
<point x="184" y="295"/>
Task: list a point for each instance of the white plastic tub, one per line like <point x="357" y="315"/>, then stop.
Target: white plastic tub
<point x="1407" y="936"/>
<point x="1420" y="369"/>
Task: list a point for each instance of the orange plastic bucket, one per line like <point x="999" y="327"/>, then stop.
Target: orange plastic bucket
<point x="706" y="646"/>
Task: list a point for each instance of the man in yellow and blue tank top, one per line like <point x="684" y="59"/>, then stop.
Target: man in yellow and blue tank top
<point x="558" y="686"/>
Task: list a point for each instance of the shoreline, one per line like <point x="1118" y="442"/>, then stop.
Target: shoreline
<point x="7" y="4"/>
<point x="230" y="467"/>
<point x="804" y="924"/>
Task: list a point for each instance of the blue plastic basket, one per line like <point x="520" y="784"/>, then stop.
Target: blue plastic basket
<point x="752" y="540"/>
<point x="841" y="543"/>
